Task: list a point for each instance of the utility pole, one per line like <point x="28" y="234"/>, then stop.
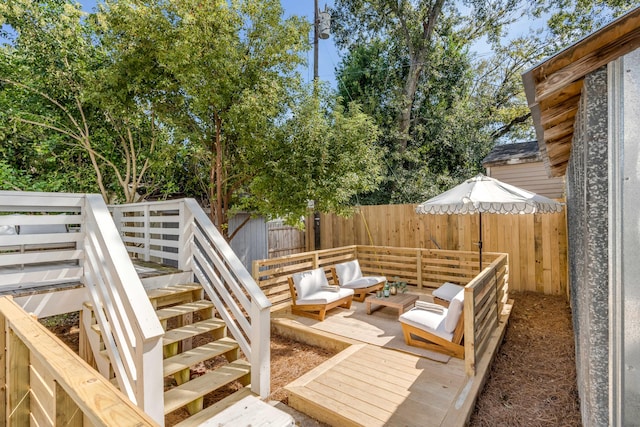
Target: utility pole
<point x="321" y="28"/>
<point x="316" y="21"/>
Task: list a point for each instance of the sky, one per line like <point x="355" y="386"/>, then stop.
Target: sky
<point x="328" y="57"/>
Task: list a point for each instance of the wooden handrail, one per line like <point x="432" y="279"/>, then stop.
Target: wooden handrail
<point x="45" y="375"/>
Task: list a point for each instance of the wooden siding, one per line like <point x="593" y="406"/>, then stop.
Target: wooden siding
<point x="536" y="244"/>
<point x="531" y="176"/>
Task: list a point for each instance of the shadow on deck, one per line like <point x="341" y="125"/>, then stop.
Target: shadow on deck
<point x="368" y="385"/>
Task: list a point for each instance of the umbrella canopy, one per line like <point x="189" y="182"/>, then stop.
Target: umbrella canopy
<point x="483" y="194"/>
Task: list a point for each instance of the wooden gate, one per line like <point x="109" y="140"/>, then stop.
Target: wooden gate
<point x="284" y="239"/>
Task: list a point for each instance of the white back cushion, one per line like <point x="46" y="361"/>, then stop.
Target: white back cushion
<point x="455" y="311"/>
<point x="348" y="271"/>
<point x="309" y="282"/>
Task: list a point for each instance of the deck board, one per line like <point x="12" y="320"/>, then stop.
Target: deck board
<point x="367" y="385"/>
<point x="380" y="387"/>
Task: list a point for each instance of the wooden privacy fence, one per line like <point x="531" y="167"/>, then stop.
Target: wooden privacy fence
<point x="486" y="292"/>
<point x="536" y="243"/>
<point x="44" y="383"/>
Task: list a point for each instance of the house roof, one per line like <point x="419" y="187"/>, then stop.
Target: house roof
<point x="521" y="152"/>
<point x="553" y="87"/>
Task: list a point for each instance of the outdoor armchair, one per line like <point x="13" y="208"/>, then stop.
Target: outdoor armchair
<point x="311" y="295"/>
<point x="434" y="327"/>
<point x="445" y="293"/>
<point x="349" y="275"/>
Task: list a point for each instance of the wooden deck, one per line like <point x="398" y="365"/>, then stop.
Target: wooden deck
<point x="365" y="385"/>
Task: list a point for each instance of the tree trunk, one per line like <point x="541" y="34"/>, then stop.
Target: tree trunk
<point x="417" y="55"/>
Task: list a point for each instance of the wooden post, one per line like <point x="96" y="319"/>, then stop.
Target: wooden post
<point x="419" y="268"/>
<point x="3" y="372"/>
<point x="67" y="412"/>
<point x="19" y="402"/>
<point x="147" y="234"/>
<point x="260" y="350"/>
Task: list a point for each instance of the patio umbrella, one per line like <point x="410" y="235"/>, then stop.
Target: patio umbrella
<point x="483" y="194"/>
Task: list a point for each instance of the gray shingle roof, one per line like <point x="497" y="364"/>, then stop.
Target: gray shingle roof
<point x="522" y="152"/>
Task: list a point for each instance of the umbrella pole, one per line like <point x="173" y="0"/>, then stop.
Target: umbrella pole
<point x="480" y="241"/>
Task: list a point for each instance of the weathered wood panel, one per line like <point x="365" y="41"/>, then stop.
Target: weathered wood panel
<point x="536" y="244"/>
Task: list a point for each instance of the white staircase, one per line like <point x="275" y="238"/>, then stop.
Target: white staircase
<point x="193" y="336"/>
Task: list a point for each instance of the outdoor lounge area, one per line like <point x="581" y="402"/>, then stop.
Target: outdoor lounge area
<point x="418" y="377"/>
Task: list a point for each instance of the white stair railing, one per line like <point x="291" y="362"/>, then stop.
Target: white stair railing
<point x="128" y="324"/>
<point x="54" y="240"/>
<point x="179" y="233"/>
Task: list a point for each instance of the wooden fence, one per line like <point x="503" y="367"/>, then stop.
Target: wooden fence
<point x="536" y="244"/>
<point x="44" y="383"/>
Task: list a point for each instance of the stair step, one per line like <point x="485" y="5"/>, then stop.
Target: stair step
<point x="199" y="354"/>
<point x="216" y="408"/>
<point x="180" y="310"/>
<point x="160" y="297"/>
<point x="188" y="331"/>
<point x="192" y="390"/>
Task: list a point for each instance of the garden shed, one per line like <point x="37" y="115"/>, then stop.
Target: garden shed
<point x="585" y="102"/>
<point x="521" y="164"/>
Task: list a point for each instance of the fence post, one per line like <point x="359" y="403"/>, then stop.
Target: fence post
<point x="147" y="234"/>
<point x="419" y="268"/>
<point x="260" y="350"/>
<point x="186" y="238"/>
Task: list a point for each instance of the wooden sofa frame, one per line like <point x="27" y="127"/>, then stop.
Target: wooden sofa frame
<point x="315" y="311"/>
<point x="453" y="348"/>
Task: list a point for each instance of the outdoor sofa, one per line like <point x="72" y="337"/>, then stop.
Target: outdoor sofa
<point x="312" y="296"/>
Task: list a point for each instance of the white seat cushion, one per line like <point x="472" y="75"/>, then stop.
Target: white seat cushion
<point x="324" y="297"/>
<point x="447" y="291"/>
<point x="454" y="312"/>
<point x="427" y="321"/>
<point x="363" y="282"/>
<point x="348" y="271"/>
<point x="309" y="282"/>
<point x="350" y="276"/>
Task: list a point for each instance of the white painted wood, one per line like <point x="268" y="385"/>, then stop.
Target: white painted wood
<point x="250" y="411"/>
<point x="53" y="303"/>
<point x="260" y="350"/>
<point x="42" y="277"/>
<point x="11" y="259"/>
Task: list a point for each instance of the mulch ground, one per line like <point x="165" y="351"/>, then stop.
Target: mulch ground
<point x="533" y="378"/>
<point x="532" y="381"/>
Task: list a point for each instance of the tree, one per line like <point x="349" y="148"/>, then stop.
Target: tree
<point x="224" y="76"/>
<point x="412" y="61"/>
<point x="51" y="73"/>
<point x="424" y="82"/>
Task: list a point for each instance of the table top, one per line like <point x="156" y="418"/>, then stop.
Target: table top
<point x="393" y="300"/>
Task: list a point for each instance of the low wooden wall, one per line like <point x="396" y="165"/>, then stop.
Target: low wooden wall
<point x="428" y="268"/>
<point x="536" y="244"/>
<point x="44" y="383"/>
<point x="486" y="291"/>
<point x="484" y="300"/>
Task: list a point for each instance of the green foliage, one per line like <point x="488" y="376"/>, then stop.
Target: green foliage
<point x="73" y="132"/>
<point x="440" y="108"/>
<point x="323" y="153"/>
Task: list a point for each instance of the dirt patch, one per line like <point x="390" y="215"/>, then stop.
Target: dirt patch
<point x="532" y="381"/>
